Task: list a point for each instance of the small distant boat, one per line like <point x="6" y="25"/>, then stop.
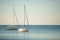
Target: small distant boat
<point x="11" y="28"/>
<point x="26" y="27"/>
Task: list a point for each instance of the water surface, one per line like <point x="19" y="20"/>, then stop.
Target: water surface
<point x="36" y="32"/>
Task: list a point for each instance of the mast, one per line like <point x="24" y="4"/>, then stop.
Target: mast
<point x="25" y="19"/>
<point x="15" y="16"/>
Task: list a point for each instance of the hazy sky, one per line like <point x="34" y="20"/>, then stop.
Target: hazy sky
<point x="45" y="12"/>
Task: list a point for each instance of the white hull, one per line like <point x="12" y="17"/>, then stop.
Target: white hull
<point x="23" y="30"/>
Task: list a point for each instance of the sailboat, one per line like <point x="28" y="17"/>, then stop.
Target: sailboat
<point x="26" y="27"/>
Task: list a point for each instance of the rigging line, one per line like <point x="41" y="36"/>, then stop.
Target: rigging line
<point x="26" y="16"/>
<point x="13" y="19"/>
<point x="15" y="15"/>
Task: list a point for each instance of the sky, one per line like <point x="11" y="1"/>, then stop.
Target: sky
<point x="40" y="12"/>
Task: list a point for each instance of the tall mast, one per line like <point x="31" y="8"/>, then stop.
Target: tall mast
<point x="14" y="15"/>
<point x="25" y="19"/>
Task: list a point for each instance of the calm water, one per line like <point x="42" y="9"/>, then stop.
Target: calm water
<point x="36" y="32"/>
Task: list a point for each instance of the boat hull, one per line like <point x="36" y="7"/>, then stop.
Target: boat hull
<point x="23" y="30"/>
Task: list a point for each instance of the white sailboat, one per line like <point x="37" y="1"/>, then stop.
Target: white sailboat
<point x="26" y="27"/>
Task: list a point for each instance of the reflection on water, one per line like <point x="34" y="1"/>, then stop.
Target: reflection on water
<point x="36" y="32"/>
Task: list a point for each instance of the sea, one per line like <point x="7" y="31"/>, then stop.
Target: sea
<point x="35" y="32"/>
